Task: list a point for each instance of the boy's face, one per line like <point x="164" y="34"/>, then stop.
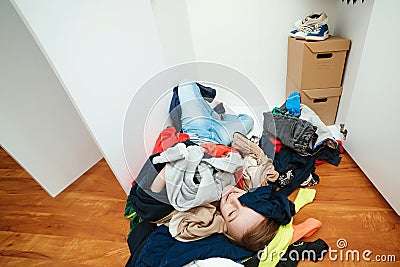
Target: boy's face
<point x="238" y="218"/>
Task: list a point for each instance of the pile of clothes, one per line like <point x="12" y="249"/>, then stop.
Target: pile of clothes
<point x="296" y="138"/>
<point x="177" y="226"/>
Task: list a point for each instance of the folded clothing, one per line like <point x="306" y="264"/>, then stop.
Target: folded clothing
<point x="295" y="133"/>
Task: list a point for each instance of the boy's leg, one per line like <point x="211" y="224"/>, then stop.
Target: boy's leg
<point x="241" y="123"/>
<point x="192" y="103"/>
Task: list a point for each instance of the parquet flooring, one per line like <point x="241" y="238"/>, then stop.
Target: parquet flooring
<point x="351" y="208"/>
<point x="84" y="225"/>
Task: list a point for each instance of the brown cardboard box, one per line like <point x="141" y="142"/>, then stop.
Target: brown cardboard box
<point x="317" y="64"/>
<point x="323" y="101"/>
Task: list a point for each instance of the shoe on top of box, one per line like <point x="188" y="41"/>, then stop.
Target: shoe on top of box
<point x="314" y="27"/>
<point x="311" y="19"/>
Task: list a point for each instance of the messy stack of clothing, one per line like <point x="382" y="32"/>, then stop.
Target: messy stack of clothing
<point x="298" y="139"/>
<point x="210" y="195"/>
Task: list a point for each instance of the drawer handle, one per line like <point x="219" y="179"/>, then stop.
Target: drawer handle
<point x="326" y="55"/>
<point x="320" y="100"/>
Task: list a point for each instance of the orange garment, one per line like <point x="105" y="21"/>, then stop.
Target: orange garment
<point x="222" y="151"/>
<point x="217" y="150"/>
<point x="305" y="229"/>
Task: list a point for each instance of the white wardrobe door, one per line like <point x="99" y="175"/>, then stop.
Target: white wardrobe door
<point x="39" y="126"/>
<point x="102" y="51"/>
<point x="373" y="116"/>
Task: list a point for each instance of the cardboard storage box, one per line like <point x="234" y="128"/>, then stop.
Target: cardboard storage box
<point x="317" y="64"/>
<point x="323" y="101"/>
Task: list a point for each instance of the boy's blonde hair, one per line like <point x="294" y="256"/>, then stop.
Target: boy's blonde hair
<point x="258" y="236"/>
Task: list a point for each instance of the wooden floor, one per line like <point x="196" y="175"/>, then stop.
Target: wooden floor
<point x="84" y="225"/>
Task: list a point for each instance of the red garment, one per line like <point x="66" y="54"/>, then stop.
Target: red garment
<point x="167" y="138"/>
<point x="222" y="151"/>
<point x="340" y="146"/>
<point x="277" y="144"/>
<point x="239" y="178"/>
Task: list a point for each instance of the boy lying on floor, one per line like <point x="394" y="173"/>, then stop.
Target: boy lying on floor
<point x="179" y="188"/>
<point x="206" y="200"/>
<point x="247" y="219"/>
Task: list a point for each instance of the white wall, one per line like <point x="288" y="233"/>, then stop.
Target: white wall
<point x="372" y="119"/>
<point x="227" y="32"/>
<point x="40" y="128"/>
<point x="172" y="23"/>
<point x="277" y="19"/>
<point x="251" y="36"/>
<point x="351" y="22"/>
<point x="102" y="51"/>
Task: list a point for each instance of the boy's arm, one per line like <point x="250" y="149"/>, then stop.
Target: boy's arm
<point x="159" y="182"/>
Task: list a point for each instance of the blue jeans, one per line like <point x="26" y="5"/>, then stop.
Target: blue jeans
<point x="203" y="124"/>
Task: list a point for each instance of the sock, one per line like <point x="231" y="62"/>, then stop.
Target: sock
<point x="293" y="104"/>
<point x="305" y="229"/>
<point x="252" y="262"/>
<point x="305" y="196"/>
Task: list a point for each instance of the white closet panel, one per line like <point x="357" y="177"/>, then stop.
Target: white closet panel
<point x="39" y="126"/>
<point x="102" y="52"/>
<point x="352" y="23"/>
<point x="373" y="117"/>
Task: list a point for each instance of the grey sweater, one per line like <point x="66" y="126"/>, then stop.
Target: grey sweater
<point x="192" y="180"/>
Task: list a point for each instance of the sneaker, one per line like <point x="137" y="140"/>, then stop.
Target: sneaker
<point x="314" y="32"/>
<point x="292" y="33"/>
<point x="302" y="33"/>
<point x="312" y="19"/>
<point x="320" y="32"/>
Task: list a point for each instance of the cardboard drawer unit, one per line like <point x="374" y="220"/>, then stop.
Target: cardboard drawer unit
<point x="323" y="101"/>
<point x="315" y="70"/>
<point x="317" y="64"/>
